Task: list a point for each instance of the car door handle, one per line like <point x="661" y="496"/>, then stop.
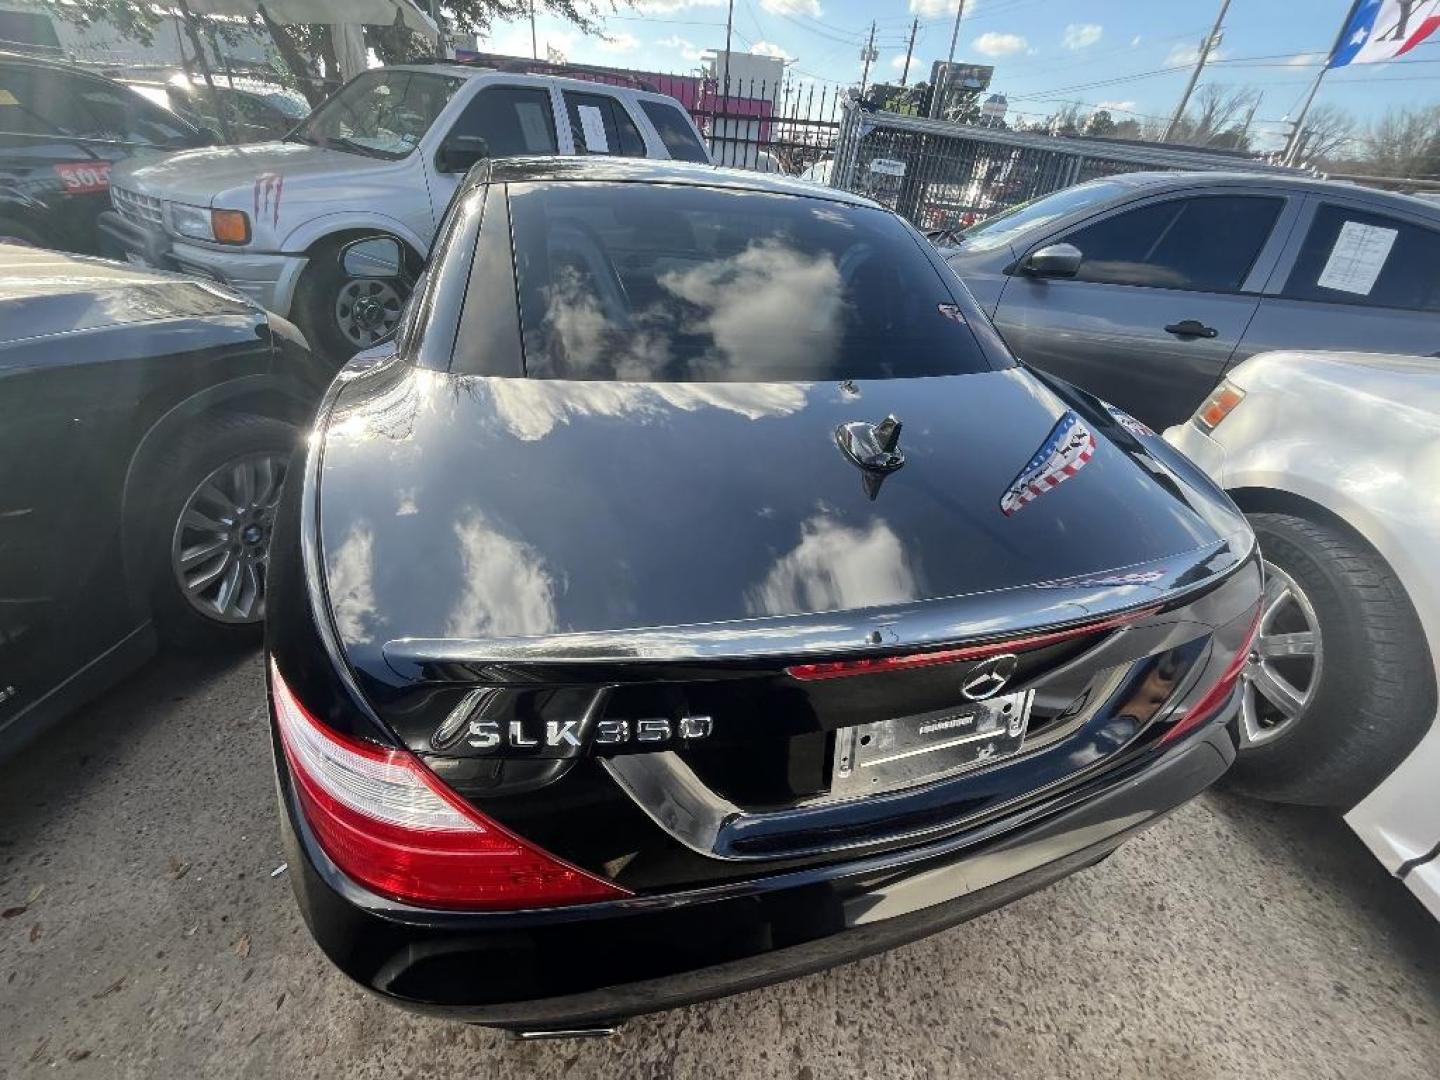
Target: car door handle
<point x="1191" y="328"/>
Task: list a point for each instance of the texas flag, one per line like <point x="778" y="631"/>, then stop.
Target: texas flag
<point x="1381" y="30"/>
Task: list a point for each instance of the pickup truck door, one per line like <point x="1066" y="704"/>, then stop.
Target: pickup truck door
<point x="1355" y="275"/>
<point x="512" y="119"/>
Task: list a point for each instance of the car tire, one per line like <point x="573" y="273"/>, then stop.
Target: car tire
<point x="200" y="521"/>
<point x="1369" y="691"/>
<point x="324" y="305"/>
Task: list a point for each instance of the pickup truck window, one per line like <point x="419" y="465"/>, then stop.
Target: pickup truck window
<point x="512" y="120"/>
<point x="675" y="131"/>
<point x="382" y="113"/>
<point x="600" y="125"/>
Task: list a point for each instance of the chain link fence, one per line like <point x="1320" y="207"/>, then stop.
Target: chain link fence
<point x="941" y="175"/>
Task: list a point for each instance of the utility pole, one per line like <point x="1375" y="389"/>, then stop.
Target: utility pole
<point x="534" y="48"/>
<point x="1212" y="40"/>
<point x="868" y="54"/>
<point x="909" y="51"/>
<point x="1294" y="143"/>
<point x="955" y="34"/>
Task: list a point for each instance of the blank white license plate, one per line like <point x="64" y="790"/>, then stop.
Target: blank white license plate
<point x="909" y="750"/>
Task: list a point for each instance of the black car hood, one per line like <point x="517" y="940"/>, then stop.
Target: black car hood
<point x="484" y="508"/>
<point x="50" y="292"/>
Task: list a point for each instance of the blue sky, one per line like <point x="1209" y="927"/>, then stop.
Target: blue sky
<point x="1110" y="53"/>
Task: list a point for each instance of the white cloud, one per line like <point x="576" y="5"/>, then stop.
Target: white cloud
<point x="835" y="567"/>
<point x="1116" y="106"/>
<point x="769" y="48"/>
<point x="992" y="44"/>
<point x="1305" y="59"/>
<point x="687" y="49"/>
<point x="931" y="9"/>
<point x="1135" y="41"/>
<point x="916" y="64"/>
<point x="792" y="7"/>
<point x="1186" y="55"/>
<point x="1081" y="35"/>
<point x="618" y="43"/>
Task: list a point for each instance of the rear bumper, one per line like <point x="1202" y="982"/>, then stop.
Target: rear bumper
<point x="268" y="279"/>
<point x="585" y="966"/>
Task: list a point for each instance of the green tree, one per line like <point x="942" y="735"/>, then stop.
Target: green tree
<point x="1100" y="123"/>
<point x="303" y="48"/>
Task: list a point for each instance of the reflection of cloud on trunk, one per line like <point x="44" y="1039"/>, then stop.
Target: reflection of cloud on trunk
<point x="508" y="591"/>
<point x="755" y="301"/>
<point x="350" y="576"/>
<point x="833" y="568"/>
<point x="530" y="408"/>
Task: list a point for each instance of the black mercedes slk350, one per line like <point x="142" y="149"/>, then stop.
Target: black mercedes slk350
<point x="696" y="593"/>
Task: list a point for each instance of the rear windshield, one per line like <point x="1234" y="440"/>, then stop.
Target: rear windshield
<point x="658" y="283"/>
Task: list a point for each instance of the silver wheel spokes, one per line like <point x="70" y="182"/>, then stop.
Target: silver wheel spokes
<point x="1283" y="672"/>
<point x="367" y="309"/>
<point x="220" y="549"/>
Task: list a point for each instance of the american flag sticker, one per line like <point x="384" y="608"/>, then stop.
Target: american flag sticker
<point x="1064" y="452"/>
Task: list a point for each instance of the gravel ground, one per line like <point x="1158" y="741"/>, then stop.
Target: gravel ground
<point x="144" y="936"/>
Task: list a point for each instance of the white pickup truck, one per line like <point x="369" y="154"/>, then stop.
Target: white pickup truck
<point x="381" y="157"/>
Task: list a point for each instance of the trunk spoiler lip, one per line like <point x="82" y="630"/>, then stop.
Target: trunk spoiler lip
<point x="932" y="623"/>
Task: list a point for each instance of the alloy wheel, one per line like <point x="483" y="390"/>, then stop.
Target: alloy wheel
<point x="1282" y="674"/>
<point x="366" y="310"/>
<point x="219" y="551"/>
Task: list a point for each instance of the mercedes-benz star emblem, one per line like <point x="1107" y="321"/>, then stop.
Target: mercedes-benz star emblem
<point x="988" y="678"/>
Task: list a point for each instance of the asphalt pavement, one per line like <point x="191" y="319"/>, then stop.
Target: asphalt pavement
<point x="145" y="934"/>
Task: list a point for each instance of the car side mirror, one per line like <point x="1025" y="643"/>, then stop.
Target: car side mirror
<point x="459" y="152"/>
<point x="372" y="257"/>
<point x="1054" y="261"/>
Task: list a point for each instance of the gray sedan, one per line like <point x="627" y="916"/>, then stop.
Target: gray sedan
<point x="1145" y="288"/>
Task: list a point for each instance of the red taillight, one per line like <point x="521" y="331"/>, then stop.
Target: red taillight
<point x="1214" y="699"/>
<point x="389" y="823"/>
<point x="836" y="669"/>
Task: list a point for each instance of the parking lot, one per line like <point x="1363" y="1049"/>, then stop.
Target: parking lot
<point x="146" y="935"/>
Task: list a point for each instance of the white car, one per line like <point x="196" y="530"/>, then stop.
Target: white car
<point x="1334" y="456"/>
<point x="381" y="157"/>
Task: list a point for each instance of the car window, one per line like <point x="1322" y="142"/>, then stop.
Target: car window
<point x="1207" y="243"/>
<point x="47" y="102"/>
<point x="1001" y="228"/>
<point x="675" y="131"/>
<point x="663" y="283"/>
<point x="600" y="125"/>
<point x="117" y="112"/>
<point x="382" y="113"/>
<point x="1354" y="257"/>
<point x="512" y="120"/>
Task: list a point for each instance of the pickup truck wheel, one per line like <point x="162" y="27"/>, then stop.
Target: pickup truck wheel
<point x="1339" y="687"/>
<point x="341" y="315"/>
<point x="208" y="530"/>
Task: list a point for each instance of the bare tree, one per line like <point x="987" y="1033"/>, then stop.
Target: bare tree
<point x="1217" y="112"/>
<point x="1405" y="142"/>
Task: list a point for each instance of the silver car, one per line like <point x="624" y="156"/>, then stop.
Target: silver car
<point x="1145" y="288"/>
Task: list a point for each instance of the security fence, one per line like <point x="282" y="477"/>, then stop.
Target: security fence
<point x="942" y="175"/>
<point x="768" y="126"/>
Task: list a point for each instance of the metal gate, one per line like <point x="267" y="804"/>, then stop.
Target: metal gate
<point x="944" y="175"/>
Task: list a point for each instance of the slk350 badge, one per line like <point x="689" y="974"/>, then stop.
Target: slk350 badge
<point x="562" y="734"/>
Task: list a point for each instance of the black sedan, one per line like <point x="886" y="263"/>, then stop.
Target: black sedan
<point x="61" y="129"/>
<point x="697" y="593"/>
<point x="146" y="423"/>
